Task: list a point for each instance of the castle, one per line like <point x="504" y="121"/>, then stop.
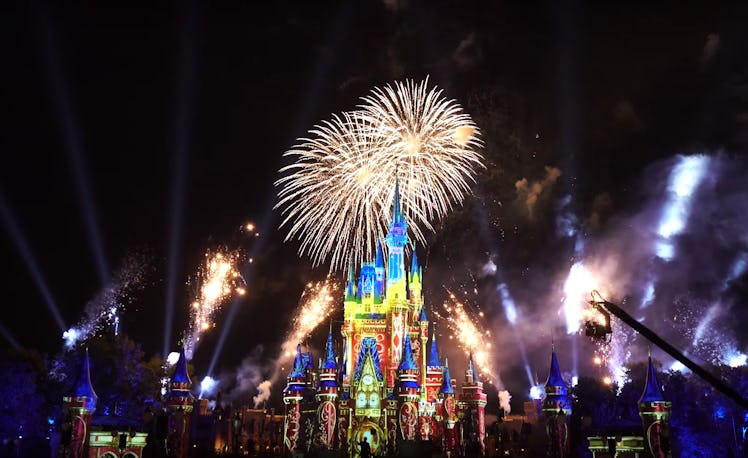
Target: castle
<point x="389" y="387"/>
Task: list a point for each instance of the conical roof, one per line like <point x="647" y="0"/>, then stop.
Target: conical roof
<point x="554" y="375"/>
<point x="379" y="261"/>
<point x="434" y="360"/>
<point x="82" y="386"/>
<point x="446" y="387"/>
<point x="423" y="316"/>
<point x="299" y="365"/>
<point x="329" y="361"/>
<point x="180" y="370"/>
<point x="652" y="390"/>
<point x="397" y="214"/>
<point x="406" y="362"/>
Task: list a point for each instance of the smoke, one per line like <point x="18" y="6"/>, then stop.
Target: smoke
<point x="504" y="398"/>
<point x="243" y="381"/>
<point x="264" y="393"/>
<point x="674" y="254"/>
<point x="710" y="47"/>
<point x="601" y="206"/>
<point x="530" y="192"/>
<point x="693" y="204"/>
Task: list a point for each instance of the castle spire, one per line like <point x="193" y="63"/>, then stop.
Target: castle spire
<point x="180" y="370"/>
<point x="422" y="316"/>
<point x="350" y="293"/>
<point x="407" y="363"/>
<point x="329" y="362"/>
<point x="446" y="380"/>
<point x="414" y="264"/>
<point x="470" y="372"/>
<point x="82" y="387"/>
<point x="379" y="261"/>
<point x="396" y="239"/>
<point x="434" y="360"/>
<point x="655" y="412"/>
<point x="397" y="214"/>
<point x="652" y="390"/>
<point x="298" y="369"/>
<point x="555" y="379"/>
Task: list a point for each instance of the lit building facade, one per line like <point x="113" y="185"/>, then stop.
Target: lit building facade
<point x="388" y="387"/>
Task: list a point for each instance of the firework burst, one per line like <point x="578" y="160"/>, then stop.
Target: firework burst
<point x="464" y="326"/>
<point x="316" y="305"/>
<point x="218" y="280"/>
<point x="336" y="195"/>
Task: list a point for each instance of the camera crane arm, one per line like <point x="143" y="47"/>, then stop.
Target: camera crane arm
<point x="610" y="308"/>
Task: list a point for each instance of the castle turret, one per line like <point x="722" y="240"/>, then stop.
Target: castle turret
<point x="79" y="406"/>
<point x="379" y="271"/>
<point x="408" y="393"/>
<point x="415" y="281"/>
<point x="449" y="412"/>
<point x="292" y="396"/>
<point x="655" y="413"/>
<point x="350" y="285"/>
<point x="327" y="395"/>
<point x="434" y="370"/>
<point x="423" y="327"/>
<point x="397" y="299"/>
<point x="179" y="403"/>
<point x="556" y="409"/>
<point x="396" y="239"/>
<point x="473" y="401"/>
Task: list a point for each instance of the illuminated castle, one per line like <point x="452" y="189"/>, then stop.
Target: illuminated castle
<point x="384" y="389"/>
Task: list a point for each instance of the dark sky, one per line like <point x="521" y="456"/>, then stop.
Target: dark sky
<point x="101" y="101"/>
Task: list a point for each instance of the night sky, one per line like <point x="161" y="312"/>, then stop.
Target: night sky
<point x="105" y="108"/>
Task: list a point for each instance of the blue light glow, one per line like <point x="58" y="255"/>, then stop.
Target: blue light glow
<point x="207" y="385"/>
<point x="509" y="307"/>
<point x="649" y="294"/>
<point x="685" y="178"/>
<point x="735" y="358"/>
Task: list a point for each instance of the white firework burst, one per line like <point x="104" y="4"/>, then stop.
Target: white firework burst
<point x="337" y="194"/>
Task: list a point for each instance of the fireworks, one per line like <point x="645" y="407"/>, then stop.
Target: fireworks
<point x="316" y="305"/>
<point x="218" y="279"/>
<point x="104" y="309"/>
<point x="337" y="194"/>
<point x="470" y="336"/>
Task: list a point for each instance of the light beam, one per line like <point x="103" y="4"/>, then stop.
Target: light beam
<point x="30" y="261"/>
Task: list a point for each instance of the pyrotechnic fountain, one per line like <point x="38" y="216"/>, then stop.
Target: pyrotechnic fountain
<point x="316" y="305"/>
<point x="470" y="335"/>
<point x="218" y="279"/>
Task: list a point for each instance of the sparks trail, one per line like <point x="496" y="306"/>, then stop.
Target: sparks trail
<point x="470" y="335"/>
<point x="336" y="194"/>
<point x="218" y="279"/>
<point x="104" y="309"/>
<point x="316" y="305"/>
